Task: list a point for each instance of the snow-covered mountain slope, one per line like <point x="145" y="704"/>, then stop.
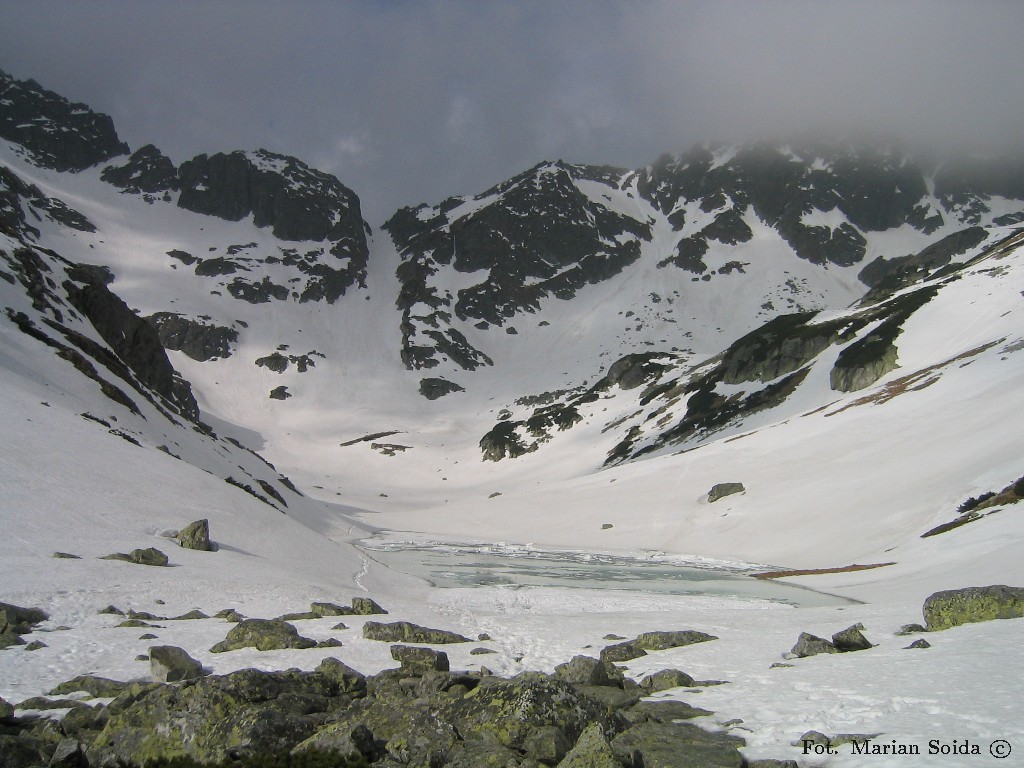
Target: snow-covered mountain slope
<point x="570" y="360"/>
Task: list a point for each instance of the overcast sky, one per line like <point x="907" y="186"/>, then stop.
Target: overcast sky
<point x="410" y="102"/>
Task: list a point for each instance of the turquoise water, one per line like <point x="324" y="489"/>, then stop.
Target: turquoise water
<point x="484" y="565"/>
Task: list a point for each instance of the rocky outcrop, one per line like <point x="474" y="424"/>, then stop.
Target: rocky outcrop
<point x="198" y="339"/>
<point x="61" y="135"/>
<point x="148" y="172"/>
<point x="433" y="388"/>
<point x="954" y="607"/>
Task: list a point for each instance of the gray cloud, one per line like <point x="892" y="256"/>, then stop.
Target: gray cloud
<point x="410" y="102"/>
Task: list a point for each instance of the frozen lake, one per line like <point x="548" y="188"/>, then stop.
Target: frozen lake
<point x="479" y="565"/>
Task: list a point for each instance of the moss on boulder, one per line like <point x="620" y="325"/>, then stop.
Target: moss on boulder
<point x="263" y="635"/>
<point x="954" y="607"/>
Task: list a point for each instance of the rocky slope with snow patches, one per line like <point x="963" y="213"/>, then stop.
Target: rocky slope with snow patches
<point x="570" y="360"/>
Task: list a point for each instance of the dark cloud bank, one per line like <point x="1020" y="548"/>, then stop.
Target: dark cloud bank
<point x="410" y="102"/>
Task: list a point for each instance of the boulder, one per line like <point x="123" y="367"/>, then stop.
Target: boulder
<point x="811" y="645"/>
<point x="851" y="639"/>
<point x="170" y="664"/>
<point x="96" y="687"/>
<point x="952" y="608"/>
<point x="665" y="679"/>
<point x="6" y="710"/>
<point x="347" y="679"/>
<point x="148" y="556"/>
<point x="195" y="535"/>
<point x="321" y="609"/>
<point x="676" y="745"/>
<point x="663" y="711"/>
<point x="419" y="661"/>
<point x="622" y="652"/>
<point x="406" y="632"/>
<point x="364" y="606"/>
<point x="660" y="641"/>
<point x="721" y="490"/>
<point x="583" y="670"/>
<point x="546" y="744"/>
<point x="919" y="643"/>
<point x="591" y="751"/>
<point x="263" y="635"/>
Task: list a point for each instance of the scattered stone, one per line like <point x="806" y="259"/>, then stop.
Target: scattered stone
<point x="170" y="664"/>
<point x="191" y="615"/>
<point x="780" y="665"/>
<point x="340" y="625"/>
<point x="665" y="711"/>
<point x="613" y="637"/>
<point x="331" y="642"/>
<point x="229" y="614"/>
<point x="606" y="526"/>
<point x="851" y="639"/>
<point x="665" y="679"/>
<point x="364" y="606"/>
<point x="419" y="661"/>
<point x="195" y="536"/>
<point x="910" y="629"/>
<point x="919" y="643"/>
<point x="583" y="670"/>
<point x="263" y="635"/>
<point x="660" y="641"/>
<point x="328" y="609"/>
<point x="147" y="636"/>
<point x="811" y="645"/>
<point x="954" y="607"/>
<point x="137" y="623"/>
<point x="721" y="490"/>
<point x="591" y="751"/>
<point x="35" y="645"/>
<point x="112" y="610"/>
<point x="406" y="632"/>
<point x="148" y="556"/>
<point x="348" y="679"/>
<point x="96" y="687"/>
<point x="142" y="657"/>
<point x="483" y="637"/>
<point x="622" y="652"/>
<point x="66" y="556"/>
<point x="481" y="651"/>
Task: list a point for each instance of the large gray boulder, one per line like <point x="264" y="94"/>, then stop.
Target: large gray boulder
<point x="170" y="664"/>
<point x="954" y="607"/>
<point x="662" y="640"/>
<point x="721" y="490"/>
<point x="851" y="639"/>
<point x="364" y="606"/>
<point x="419" y="661"/>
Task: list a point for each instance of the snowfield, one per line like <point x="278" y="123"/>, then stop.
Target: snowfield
<point x="831" y="480"/>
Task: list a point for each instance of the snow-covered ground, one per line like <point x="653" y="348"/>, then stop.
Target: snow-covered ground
<point x="830" y="480"/>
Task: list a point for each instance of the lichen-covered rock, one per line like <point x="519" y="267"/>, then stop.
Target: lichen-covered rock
<point x="97" y="687"/>
<point x="954" y="607"/>
<point x="170" y="664"/>
<point x="263" y="635"/>
<point x="665" y="679"/>
<point x="583" y="670"/>
<point x="662" y="640"/>
<point x="663" y="711"/>
<point x="406" y="632"/>
<point x="591" y="751"/>
<point x="20" y="620"/>
<point x="195" y="535"/>
<point x="148" y="556"/>
<point x="622" y="652"/>
<point x="419" y="661"/>
<point x="546" y="744"/>
<point x="721" y="490"/>
<point x="811" y="645"/>
<point x="676" y="745"/>
<point x="364" y="606"/>
<point x="6" y="710"/>
<point x="347" y="679"/>
<point x="851" y="639"/>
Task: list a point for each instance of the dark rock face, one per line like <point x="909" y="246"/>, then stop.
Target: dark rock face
<point x="954" y="607"/>
<point x="16" y="195"/>
<point x="148" y="172"/>
<point x="132" y="339"/>
<point x="61" y="135"/>
<point x="197" y="339"/>
<point x="432" y="389"/>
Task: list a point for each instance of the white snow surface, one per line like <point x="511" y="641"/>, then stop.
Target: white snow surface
<point x="831" y="480"/>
